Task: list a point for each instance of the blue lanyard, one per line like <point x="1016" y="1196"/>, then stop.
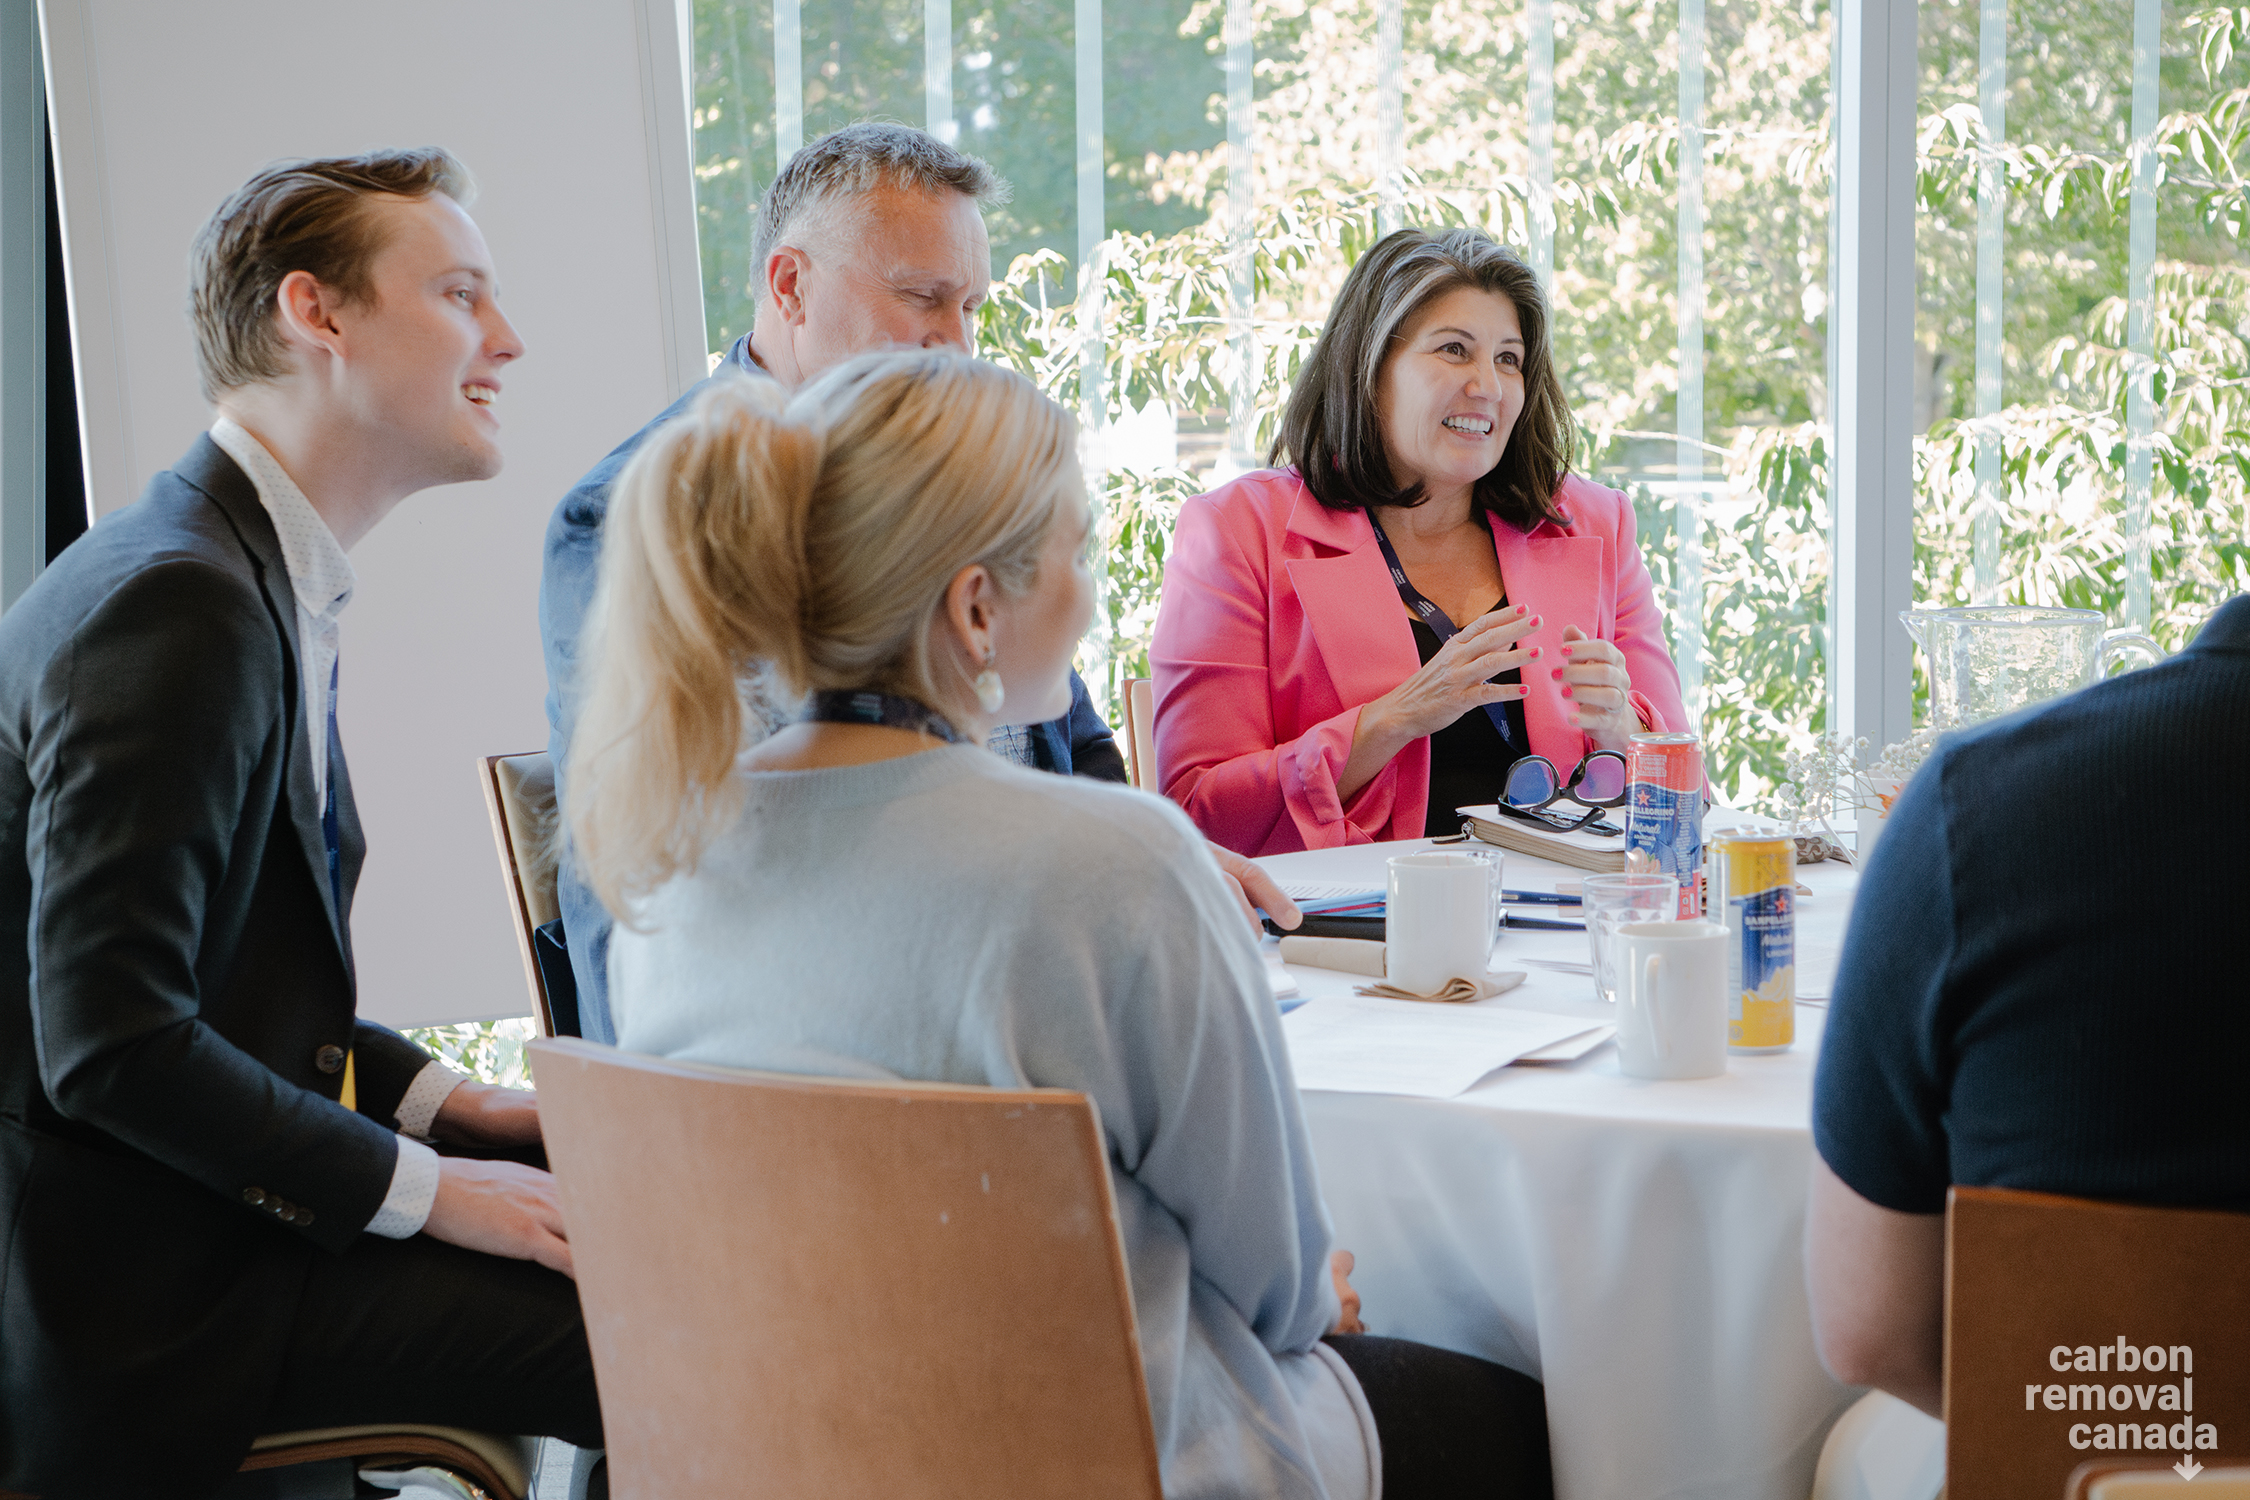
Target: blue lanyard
<point x="842" y="706"/>
<point x="1440" y="624"/>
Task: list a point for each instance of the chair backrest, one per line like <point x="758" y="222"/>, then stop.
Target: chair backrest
<point x="2127" y="1479"/>
<point x="2153" y="1302"/>
<point x="817" y="1287"/>
<point x="1140" y="733"/>
<point x="519" y="793"/>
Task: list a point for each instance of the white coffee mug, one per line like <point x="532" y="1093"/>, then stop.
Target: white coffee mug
<point x="1672" y="999"/>
<point x="1437" y="921"/>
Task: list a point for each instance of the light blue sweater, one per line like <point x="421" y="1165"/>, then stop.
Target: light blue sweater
<point x="949" y="917"/>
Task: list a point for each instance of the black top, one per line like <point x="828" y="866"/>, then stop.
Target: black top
<point x="1468" y="759"/>
<point x="2041" y="987"/>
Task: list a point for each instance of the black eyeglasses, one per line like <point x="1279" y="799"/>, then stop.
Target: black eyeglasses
<point x="1599" y="782"/>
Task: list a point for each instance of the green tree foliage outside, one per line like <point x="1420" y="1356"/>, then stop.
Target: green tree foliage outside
<point x="1767" y="184"/>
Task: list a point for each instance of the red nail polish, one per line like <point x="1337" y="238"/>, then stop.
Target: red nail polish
<point x="1558" y="674"/>
<point x="1566" y="651"/>
<point x="1566" y="692"/>
<point x="1535" y="652"/>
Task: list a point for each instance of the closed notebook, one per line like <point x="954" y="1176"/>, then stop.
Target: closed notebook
<point x="1600" y="854"/>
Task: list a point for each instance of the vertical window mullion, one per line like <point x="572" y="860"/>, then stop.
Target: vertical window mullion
<point x="1992" y="223"/>
<point x="937" y="69"/>
<point x="1091" y="226"/>
<point x="1093" y="398"/>
<point x="1541" y="46"/>
<point x="2140" y="323"/>
<point x="1242" y="284"/>
<point x="1871" y="502"/>
<point x="1687" y="617"/>
<point x="1390" y="115"/>
<point x="788" y="82"/>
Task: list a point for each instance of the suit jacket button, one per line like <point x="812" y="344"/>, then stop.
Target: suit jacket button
<point x="255" y="1197"/>
<point x="329" y="1059"/>
<point x="303" y="1218"/>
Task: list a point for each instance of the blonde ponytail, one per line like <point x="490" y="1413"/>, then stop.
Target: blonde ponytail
<point x="810" y="538"/>
<point x="702" y="574"/>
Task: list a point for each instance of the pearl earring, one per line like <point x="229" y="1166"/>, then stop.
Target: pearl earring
<point x="991" y="691"/>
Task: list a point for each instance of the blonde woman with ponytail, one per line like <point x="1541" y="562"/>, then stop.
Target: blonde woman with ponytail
<point x="901" y="545"/>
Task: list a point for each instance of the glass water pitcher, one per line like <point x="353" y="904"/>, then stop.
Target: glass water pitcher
<point x="1989" y="660"/>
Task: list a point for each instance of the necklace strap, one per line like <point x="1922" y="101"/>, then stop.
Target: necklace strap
<point x="840" y="706"/>
<point x="1439" y="623"/>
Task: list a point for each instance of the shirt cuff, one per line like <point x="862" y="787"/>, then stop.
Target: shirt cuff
<point x="425" y="1096"/>
<point x="414" y="1182"/>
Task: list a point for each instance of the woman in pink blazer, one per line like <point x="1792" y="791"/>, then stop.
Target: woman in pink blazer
<point x="1301" y="702"/>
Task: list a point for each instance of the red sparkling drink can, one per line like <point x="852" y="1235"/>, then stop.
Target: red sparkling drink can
<point x="1664" y="811"/>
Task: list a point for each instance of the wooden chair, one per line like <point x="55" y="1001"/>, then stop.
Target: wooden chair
<point x="1140" y="733"/>
<point x="2126" y="1480"/>
<point x="2031" y="1277"/>
<point x="519" y="793"/>
<point x="323" y="1462"/>
<point x="832" y="1288"/>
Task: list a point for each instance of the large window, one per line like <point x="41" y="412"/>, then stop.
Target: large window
<point x="2084" y="295"/>
<point x="1193" y="177"/>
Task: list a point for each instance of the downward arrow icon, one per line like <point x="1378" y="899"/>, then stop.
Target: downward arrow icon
<point x="2187" y="1467"/>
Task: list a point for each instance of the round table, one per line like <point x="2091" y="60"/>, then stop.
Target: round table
<point x="1635" y="1245"/>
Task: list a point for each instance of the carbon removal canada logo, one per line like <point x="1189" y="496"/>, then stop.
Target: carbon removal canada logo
<point x="2154" y="1411"/>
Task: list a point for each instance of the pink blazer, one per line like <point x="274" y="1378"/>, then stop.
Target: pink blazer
<point x="1279" y="620"/>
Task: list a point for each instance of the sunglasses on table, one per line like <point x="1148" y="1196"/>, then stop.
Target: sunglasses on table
<point x="1597" y="784"/>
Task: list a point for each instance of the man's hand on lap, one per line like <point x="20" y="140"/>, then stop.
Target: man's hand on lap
<point x="499" y="1208"/>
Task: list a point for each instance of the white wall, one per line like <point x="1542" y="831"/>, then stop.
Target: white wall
<point x="572" y="115"/>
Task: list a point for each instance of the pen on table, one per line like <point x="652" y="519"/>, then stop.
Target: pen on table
<point x="1541" y="898"/>
<point x="1544" y="924"/>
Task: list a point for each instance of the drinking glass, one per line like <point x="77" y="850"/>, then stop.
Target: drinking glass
<point x="1613" y="900"/>
<point x="1495" y="861"/>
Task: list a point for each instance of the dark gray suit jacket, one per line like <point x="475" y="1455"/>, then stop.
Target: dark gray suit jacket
<point x="172" y="1155"/>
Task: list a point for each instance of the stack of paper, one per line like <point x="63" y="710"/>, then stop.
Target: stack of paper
<point x="1316" y="899"/>
<point x="1360" y="1046"/>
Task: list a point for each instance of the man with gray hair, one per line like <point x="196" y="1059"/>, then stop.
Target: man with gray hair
<point x="871" y="237"/>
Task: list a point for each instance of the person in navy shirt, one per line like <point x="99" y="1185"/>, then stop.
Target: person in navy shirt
<point x="2039" y="991"/>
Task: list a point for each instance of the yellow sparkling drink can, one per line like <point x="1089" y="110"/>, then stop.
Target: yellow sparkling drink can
<point x="1753" y="885"/>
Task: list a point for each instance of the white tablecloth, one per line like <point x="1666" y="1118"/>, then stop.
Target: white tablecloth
<point x="1637" y="1246"/>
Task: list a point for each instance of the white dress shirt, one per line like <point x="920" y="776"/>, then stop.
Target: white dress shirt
<point x="321" y="580"/>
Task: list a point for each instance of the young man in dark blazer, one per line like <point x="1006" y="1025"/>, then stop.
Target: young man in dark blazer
<point x="214" y="1217"/>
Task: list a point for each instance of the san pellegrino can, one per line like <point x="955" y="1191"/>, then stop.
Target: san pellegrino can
<point x="1753" y="885"/>
<point x="1664" y="811"/>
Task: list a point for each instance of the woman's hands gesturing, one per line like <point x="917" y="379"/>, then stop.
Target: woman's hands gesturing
<point x="1598" y="688"/>
<point x="1455" y="681"/>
